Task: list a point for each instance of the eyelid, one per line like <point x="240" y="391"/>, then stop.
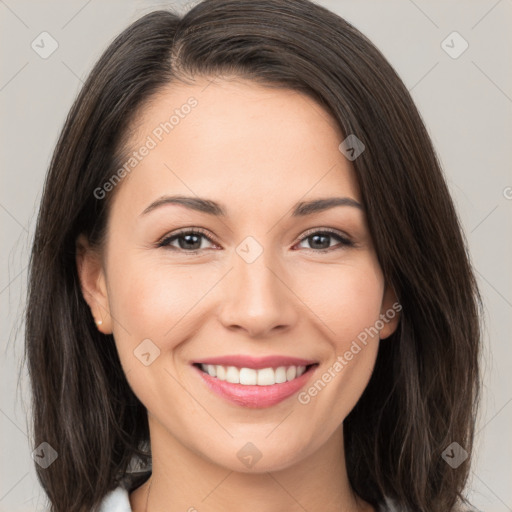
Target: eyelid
<point x="313" y="231"/>
<point x="344" y="240"/>
<point x="186" y="230"/>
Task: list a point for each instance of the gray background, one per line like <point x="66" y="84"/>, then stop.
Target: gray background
<point x="466" y="103"/>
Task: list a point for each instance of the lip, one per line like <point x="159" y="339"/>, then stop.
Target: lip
<point x="256" y="363"/>
<point x="255" y="396"/>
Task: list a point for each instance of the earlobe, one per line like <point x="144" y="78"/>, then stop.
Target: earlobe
<point x="92" y="283"/>
<point x="390" y="313"/>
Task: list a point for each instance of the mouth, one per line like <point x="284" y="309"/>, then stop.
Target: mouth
<point x="255" y="387"/>
<point x="252" y="376"/>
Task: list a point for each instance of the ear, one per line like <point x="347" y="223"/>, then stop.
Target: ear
<point x="390" y="312"/>
<point x="93" y="284"/>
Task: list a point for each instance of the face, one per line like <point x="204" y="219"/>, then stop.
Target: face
<point x="252" y="284"/>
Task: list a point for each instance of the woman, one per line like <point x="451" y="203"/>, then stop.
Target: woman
<point x="190" y="345"/>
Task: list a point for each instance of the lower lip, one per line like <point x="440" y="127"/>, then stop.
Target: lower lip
<point x="255" y="396"/>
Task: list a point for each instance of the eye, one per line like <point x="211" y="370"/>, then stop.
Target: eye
<point x="188" y="240"/>
<point x="320" y="240"/>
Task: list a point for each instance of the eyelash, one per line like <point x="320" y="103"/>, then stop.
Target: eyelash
<point x="344" y="241"/>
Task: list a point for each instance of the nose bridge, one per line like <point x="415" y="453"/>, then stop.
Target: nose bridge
<point x="256" y="299"/>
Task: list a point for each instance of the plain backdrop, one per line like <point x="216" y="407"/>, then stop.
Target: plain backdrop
<point x="465" y="100"/>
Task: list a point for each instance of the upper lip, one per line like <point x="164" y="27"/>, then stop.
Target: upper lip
<point x="241" y="361"/>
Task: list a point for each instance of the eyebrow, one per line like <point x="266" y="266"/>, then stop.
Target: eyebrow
<point x="210" y="207"/>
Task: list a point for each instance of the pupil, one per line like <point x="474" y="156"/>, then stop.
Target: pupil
<point x="188" y="240"/>
<point x="316" y="237"/>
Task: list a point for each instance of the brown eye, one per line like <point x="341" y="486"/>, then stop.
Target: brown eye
<point x="188" y="241"/>
<point x="321" y="241"/>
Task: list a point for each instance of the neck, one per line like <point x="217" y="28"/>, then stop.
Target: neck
<point x="182" y="480"/>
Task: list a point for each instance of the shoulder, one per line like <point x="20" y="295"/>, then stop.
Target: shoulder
<point x="116" y="500"/>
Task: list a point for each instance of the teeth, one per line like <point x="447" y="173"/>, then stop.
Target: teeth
<point x="280" y="374"/>
<point x="219" y="370"/>
<point x="232" y="375"/>
<point x="291" y="372"/>
<point x="251" y="377"/>
<point x="266" y="377"/>
<point x="248" y="376"/>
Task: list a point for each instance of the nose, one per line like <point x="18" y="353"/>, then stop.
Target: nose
<point x="257" y="298"/>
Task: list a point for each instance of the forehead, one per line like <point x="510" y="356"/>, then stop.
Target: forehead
<point x="239" y="142"/>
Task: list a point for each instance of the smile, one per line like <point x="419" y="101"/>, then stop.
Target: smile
<point x="253" y="377"/>
<point x="255" y="382"/>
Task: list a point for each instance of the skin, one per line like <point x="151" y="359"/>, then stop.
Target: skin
<point x="256" y="151"/>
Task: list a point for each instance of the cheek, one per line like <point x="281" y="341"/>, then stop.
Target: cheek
<point x="156" y="299"/>
<point x="161" y="300"/>
<point x="346" y="298"/>
<point x="349" y="305"/>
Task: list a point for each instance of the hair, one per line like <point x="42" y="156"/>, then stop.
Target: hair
<point x="424" y="391"/>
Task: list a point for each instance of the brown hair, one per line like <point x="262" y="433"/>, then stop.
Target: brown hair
<point x="425" y="387"/>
